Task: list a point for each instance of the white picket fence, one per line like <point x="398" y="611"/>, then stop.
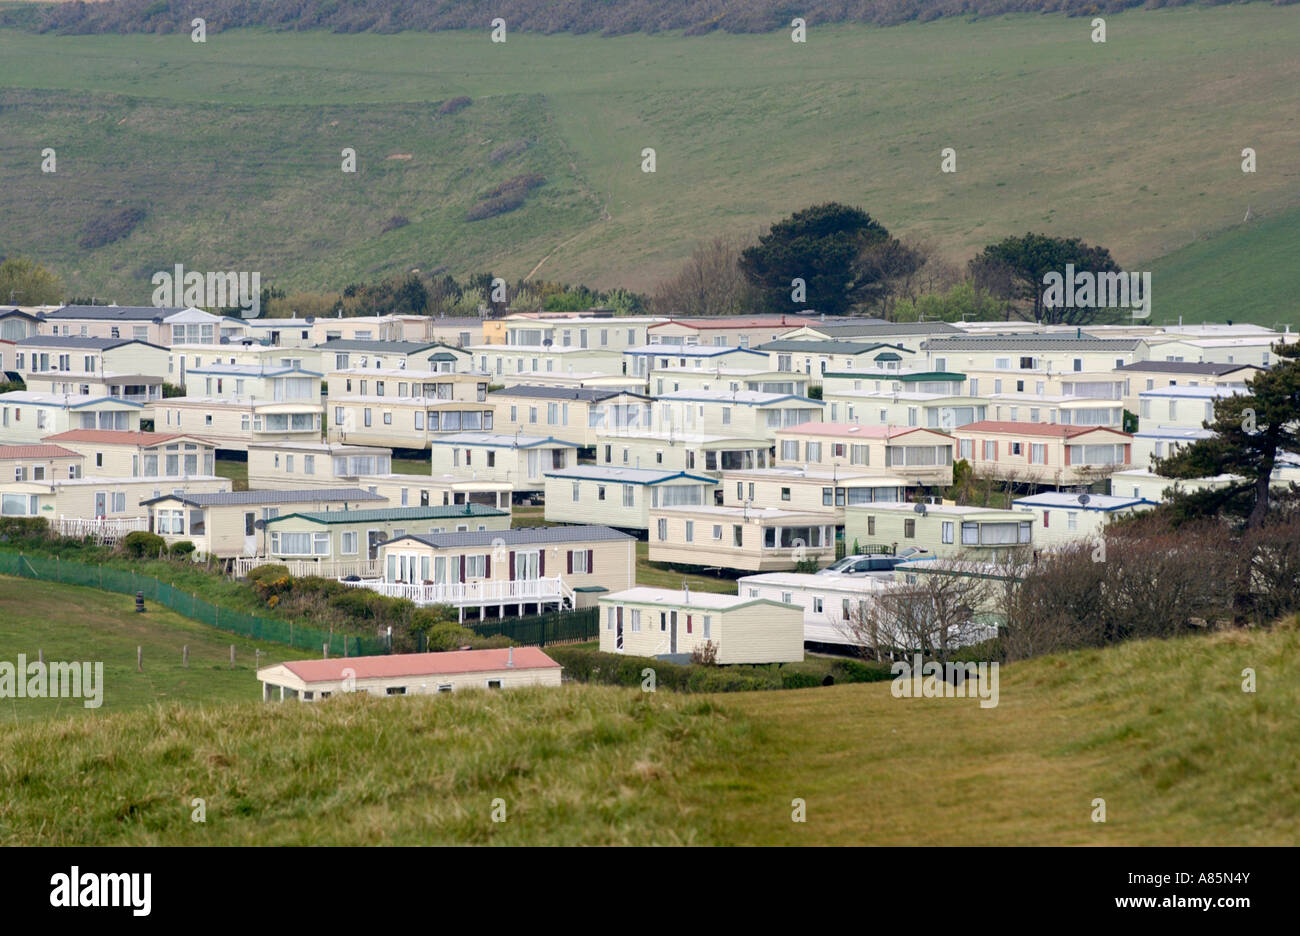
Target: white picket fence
<point x="485" y="593"/>
<point x="104" y="530"/>
<point x="333" y="568"/>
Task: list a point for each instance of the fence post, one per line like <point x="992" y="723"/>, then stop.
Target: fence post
<point x="185" y="656"/>
<point x="139" y="659"/>
<point x="232" y="656"/>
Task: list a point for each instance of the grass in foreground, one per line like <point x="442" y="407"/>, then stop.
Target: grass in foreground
<point x="70" y="623"/>
<point x="659" y="575"/>
<point x="1160" y="729"/>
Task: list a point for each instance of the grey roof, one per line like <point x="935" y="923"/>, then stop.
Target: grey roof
<point x="884" y="329"/>
<point x="386" y="514"/>
<point x="619" y="474"/>
<point x="380" y="347"/>
<point x="130" y="313"/>
<point x="1186" y="367"/>
<point x="500" y="440"/>
<point x="524" y="536"/>
<point x="253" y="498"/>
<point x="1083" y="342"/>
<point x="827" y="347"/>
<point x="585" y="394"/>
<point x="80" y="341"/>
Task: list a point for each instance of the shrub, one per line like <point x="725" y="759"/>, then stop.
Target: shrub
<point x="143" y="545"/>
<point x="110" y="227"/>
<point x="452" y="105"/>
<point x="15" y="530"/>
<point x="594" y="666"/>
<point x="393" y="223"/>
<point x="182" y="549"/>
<point x="705" y="654"/>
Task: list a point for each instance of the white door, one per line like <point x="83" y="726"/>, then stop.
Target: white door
<point x="534" y="463"/>
<point x="526" y="565"/>
<point x="250" y="533"/>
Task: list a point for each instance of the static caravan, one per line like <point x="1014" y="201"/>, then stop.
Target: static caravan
<point x="577" y="416"/>
<point x="39" y="462"/>
<point x="1061" y="518"/>
<point x="167" y="456"/>
<point x="683" y="451"/>
<point x="1053" y="410"/>
<point x="921" y="456"/>
<point x="1050" y="353"/>
<point x="908" y="334"/>
<point x="341" y="354"/>
<point x="235" y="424"/>
<point x="588" y="330"/>
<point x="405" y="384"/>
<point x="521" y="461"/>
<point x="759" y="539"/>
<point x="90" y="366"/>
<point x="234" y="523"/>
<point x="815" y="359"/>
<point x="725" y="331"/>
<point x="28" y="417"/>
<point x="946" y="530"/>
<point x="522" y="571"/>
<point x="745" y="413"/>
<point x="1186" y="407"/>
<point x="1044" y="454"/>
<point x="909" y="408"/>
<point x="408" y="490"/>
<point x="334" y="539"/>
<point x="404" y="422"/>
<point x="401" y="674"/>
<point x="677" y="379"/>
<point x="504" y="362"/>
<point x="620" y="497"/>
<point x="813" y="490"/>
<point x="294" y="465"/>
<point x="1157" y="375"/>
<point x="642" y="361"/>
<point x="657" y="622"/>
<point x="831" y="604"/>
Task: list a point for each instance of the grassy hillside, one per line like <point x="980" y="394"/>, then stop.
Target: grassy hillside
<point x="79" y="624"/>
<point x="1161" y="730"/>
<point x="232" y="147"/>
<point x="1246" y="273"/>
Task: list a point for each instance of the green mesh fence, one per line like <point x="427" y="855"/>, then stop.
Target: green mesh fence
<point x="535" y="630"/>
<point x="184" y="603"/>
<point x="538" y="630"/>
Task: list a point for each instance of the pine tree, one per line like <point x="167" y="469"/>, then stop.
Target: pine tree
<point x="1251" y="431"/>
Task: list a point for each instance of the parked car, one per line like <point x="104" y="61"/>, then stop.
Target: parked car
<point x="861" y="565"/>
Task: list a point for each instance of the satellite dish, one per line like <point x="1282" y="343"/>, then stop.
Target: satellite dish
<point x="1083" y="499"/>
<point x="157" y="320"/>
<point x="259" y="524"/>
<point x="547" y="342"/>
<point x="311" y="319"/>
<point x="919" y="508"/>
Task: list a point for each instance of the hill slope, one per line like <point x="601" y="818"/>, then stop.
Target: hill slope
<point x="231" y="148"/>
<point x="1161" y="730"/>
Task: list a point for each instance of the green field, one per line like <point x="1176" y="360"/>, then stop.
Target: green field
<point x="1160" y="729"/>
<point x="70" y="623"/>
<point x="232" y="147"/>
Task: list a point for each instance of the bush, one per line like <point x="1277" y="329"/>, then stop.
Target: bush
<point x="705" y="654"/>
<point x="393" y="223"/>
<point x="454" y="105"/>
<point x="105" y="229"/>
<point x="16" y="530"/>
<point x="141" y="545"/>
<point x="594" y="666"/>
<point x="181" y="549"/>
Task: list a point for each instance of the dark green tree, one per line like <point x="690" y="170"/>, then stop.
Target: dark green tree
<point x="824" y="246"/>
<point x="1251" y="431"/>
<point x="1014" y="268"/>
